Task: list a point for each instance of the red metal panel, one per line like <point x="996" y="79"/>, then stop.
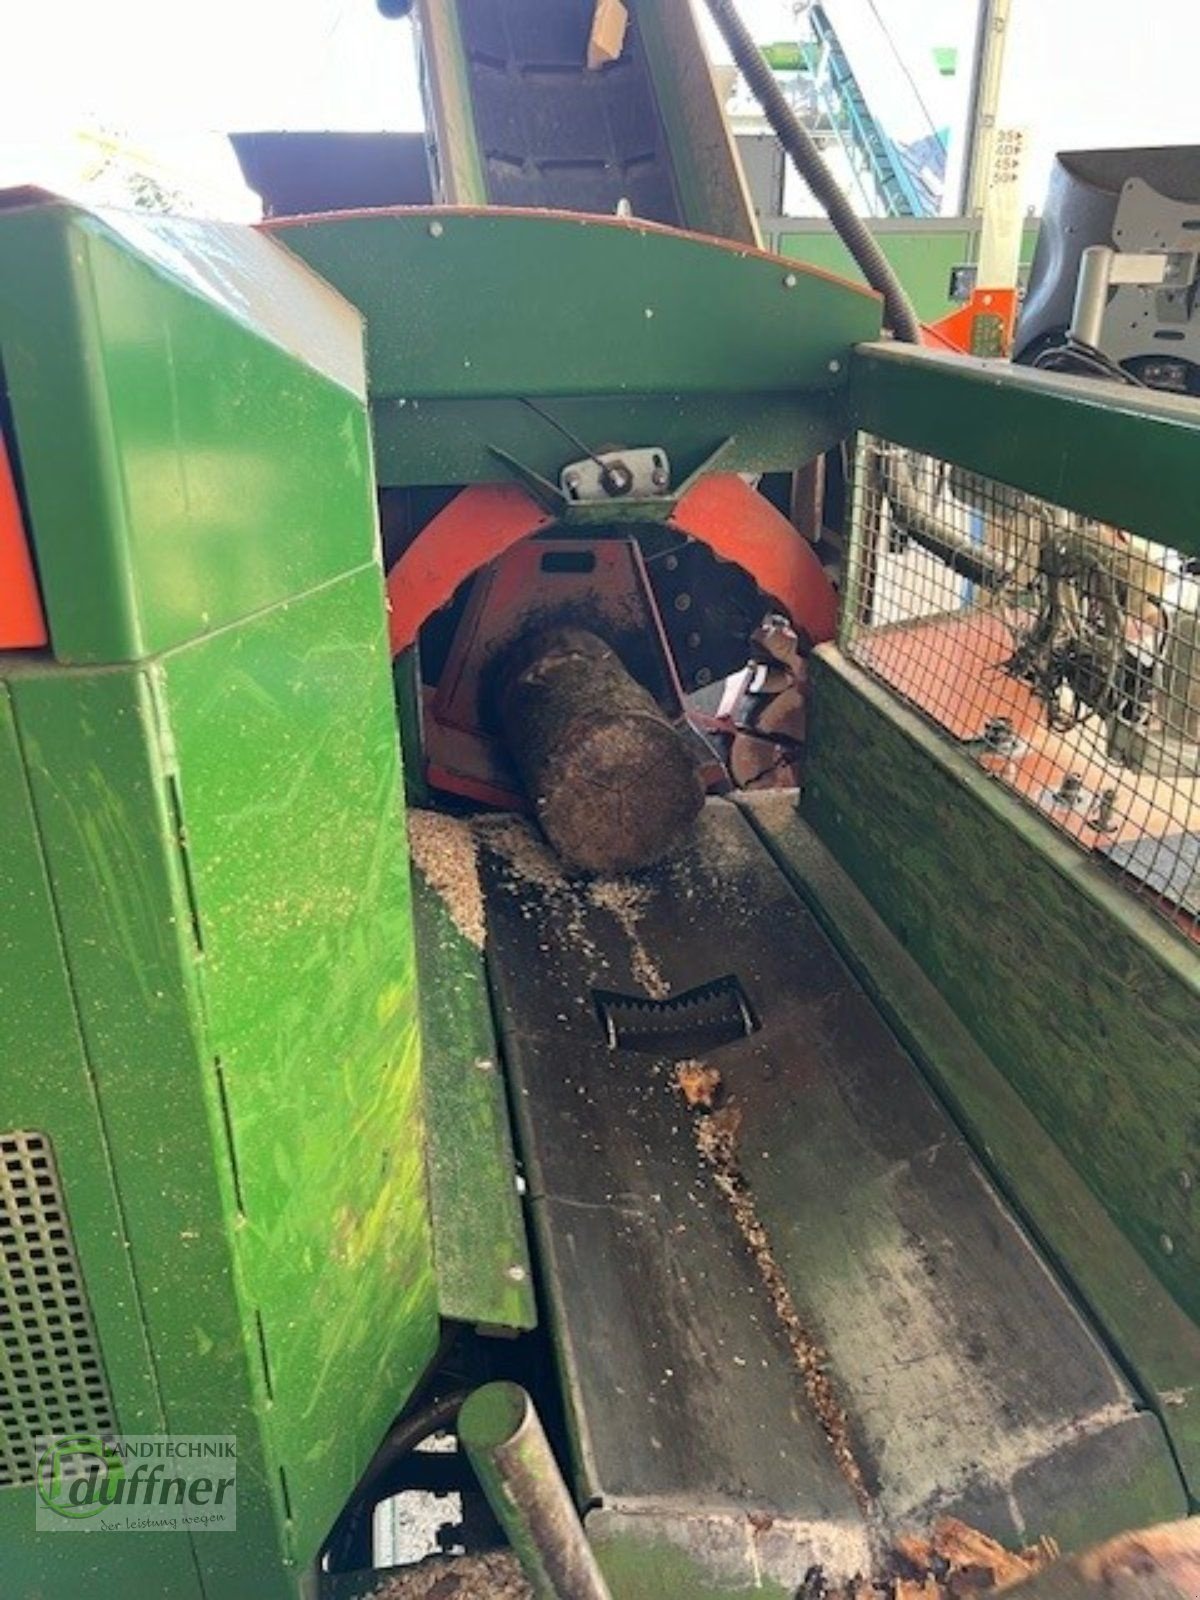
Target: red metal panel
<point x="739" y="525"/>
<point x="478" y="525"/>
<point x="722" y="511"/>
<point x="22" y="621"/>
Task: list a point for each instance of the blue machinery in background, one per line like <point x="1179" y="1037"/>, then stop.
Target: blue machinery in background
<point x="901" y="185"/>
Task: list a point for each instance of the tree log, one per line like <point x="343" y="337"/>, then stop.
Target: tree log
<point x="1161" y="1563"/>
<point x="614" y="785"/>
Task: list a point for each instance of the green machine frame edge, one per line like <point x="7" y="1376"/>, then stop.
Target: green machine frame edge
<point x="210" y="996"/>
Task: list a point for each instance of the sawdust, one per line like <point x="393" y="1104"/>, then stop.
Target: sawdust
<point x="626" y="900"/>
<point x="954" y="1562"/>
<point x="622" y="897"/>
<point x="495" y="1575"/>
<point x="526" y="856"/>
<point x="717" y="1133"/>
<point x="526" y="859"/>
<point x="444" y="849"/>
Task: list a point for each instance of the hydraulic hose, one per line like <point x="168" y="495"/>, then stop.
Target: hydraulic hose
<point x="348" y="1548"/>
<point x="899" y="313"/>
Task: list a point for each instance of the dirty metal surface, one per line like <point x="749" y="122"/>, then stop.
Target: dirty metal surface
<point x="1158" y="1341"/>
<point x="480" y="1252"/>
<point x="970" y="1383"/>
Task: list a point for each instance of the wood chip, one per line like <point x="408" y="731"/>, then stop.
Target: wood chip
<point x="607" y="37"/>
<point x="915" y="1552"/>
<point x="975" y="1559"/>
<point x="699" y="1085"/>
<point x="492" y="1575"/>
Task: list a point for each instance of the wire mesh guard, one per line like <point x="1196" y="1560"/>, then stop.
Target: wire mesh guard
<point x="1061" y="653"/>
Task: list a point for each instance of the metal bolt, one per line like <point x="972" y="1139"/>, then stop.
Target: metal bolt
<point x="1069" y="790"/>
<point x="572" y="480"/>
<point x="683" y="602"/>
<point x="789" y="280"/>
<point x="835" y="366"/>
<point x="1106" y="805"/>
<point x="436" y="230"/>
<point x="703" y="676"/>
<point x="998" y="733"/>
<point x="693" y="641"/>
<point x="671" y="563"/>
<point x="659" y="478"/>
<point x="616" y="479"/>
<point x="515" y="1274"/>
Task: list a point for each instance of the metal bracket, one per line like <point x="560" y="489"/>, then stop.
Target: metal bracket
<point x="712" y="1014"/>
<point x="643" y="474"/>
<point x="589" y="509"/>
<point x="542" y="490"/>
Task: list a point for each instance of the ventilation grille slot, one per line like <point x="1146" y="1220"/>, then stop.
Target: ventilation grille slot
<point x="51" y="1376"/>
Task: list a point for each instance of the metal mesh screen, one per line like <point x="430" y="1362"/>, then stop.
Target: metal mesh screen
<point x="1060" y="653"/>
<point x="51" y="1377"/>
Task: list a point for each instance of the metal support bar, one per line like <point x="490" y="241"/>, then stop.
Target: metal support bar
<point x="1091" y="294"/>
<point x="1102" y="268"/>
<point x="1066" y="440"/>
<point x="983" y="111"/>
<point x="507" y="1446"/>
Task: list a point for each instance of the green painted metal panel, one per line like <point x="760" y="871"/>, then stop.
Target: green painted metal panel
<point x="222" y="836"/>
<point x="1155" y="1340"/>
<point x="923" y="259"/>
<point x="712" y="187"/>
<point x="483" y="1267"/>
<point x="1086" y="1003"/>
<point x="482" y="303"/>
<point x="447" y="441"/>
<point x="99" y="779"/>
<point x="250" y="1006"/>
<point x="923" y="254"/>
<point x="458" y="170"/>
<point x="46" y="1084"/>
<point x="641" y="1561"/>
<point x="620" y="331"/>
<point x="289" y="785"/>
<point x="186" y="404"/>
<point x="1127" y="456"/>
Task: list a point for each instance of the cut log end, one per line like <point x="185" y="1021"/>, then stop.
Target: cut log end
<point x="614" y="785"/>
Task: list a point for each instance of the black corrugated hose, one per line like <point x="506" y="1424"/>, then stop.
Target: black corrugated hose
<point x="899" y="313"/>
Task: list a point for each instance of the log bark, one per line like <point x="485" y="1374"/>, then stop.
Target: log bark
<point x="614" y="785"/>
<point x="1161" y="1563"/>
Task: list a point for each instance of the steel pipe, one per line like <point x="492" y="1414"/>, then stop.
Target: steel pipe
<point x="507" y="1446"/>
<point x="1091" y="294"/>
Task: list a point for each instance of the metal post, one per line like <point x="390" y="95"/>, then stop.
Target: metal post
<point x="983" y="110"/>
<point x="511" y="1455"/>
<point x="1091" y="294"/>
